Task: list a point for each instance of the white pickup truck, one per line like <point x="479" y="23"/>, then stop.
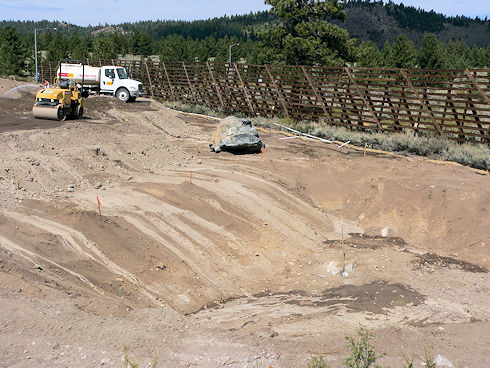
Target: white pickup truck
<point x="111" y="80"/>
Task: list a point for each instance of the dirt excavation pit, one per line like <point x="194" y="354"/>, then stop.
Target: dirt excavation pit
<point x="214" y="260"/>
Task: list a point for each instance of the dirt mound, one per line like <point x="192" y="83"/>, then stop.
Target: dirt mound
<point x="8" y="84"/>
<point x="21" y="92"/>
<point x="102" y="107"/>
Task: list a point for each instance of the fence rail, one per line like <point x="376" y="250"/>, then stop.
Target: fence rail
<point x="450" y="103"/>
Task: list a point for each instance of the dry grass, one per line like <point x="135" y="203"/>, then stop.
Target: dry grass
<point x="195" y="109"/>
<point x="405" y="143"/>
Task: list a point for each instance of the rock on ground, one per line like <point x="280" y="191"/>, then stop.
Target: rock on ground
<point x="236" y="135"/>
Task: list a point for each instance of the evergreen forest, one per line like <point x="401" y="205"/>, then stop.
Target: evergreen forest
<point x="310" y="34"/>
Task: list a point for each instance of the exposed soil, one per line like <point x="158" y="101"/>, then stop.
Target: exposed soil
<point x="214" y="260"/>
<point x="431" y="260"/>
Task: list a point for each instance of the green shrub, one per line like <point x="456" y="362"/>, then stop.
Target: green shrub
<point x="362" y="354"/>
<point x="131" y="363"/>
<point x="317" y="362"/>
<point x="408" y="361"/>
<point x="128" y="362"/>
<point x="429" y="359"/>
<point x="191" y="108"/>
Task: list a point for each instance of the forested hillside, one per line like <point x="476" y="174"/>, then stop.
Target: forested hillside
<point x="380" y="22"/>
<point x="370" y="34"/>
<point x="365" y="20"/>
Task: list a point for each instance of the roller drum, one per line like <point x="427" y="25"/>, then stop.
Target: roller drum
<point x="49" y="112"/>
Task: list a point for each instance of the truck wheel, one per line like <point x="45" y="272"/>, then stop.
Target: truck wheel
<point x="123" y="94"/>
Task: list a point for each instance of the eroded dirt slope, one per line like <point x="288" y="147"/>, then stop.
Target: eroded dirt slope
<point x="239" y="264"/>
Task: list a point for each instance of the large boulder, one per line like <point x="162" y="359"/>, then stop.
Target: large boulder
<point x="236" y="135"/>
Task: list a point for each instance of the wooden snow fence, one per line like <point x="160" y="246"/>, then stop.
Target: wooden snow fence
<point x="450" y="103"/>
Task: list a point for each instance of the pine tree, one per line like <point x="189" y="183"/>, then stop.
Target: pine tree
<point x="176" y="49"/>
<point x="77" y="47"/>
<point x="88" y="41"/>
<point x="206" y="49"/>
<point x="73" y="40"/>
<point x="303" y="36"/>
<point x="12" y="52"/>
<point x="120" y="42"/>
<point x="141" y="43"/>
<point x="369" y="55"/>
<point x="221" y="55"/>
<point x="478" y="57"/>
<point x="432" y="54"/>
<point x="58" y="48"/>
<point x="458" y="55"/>
<point x="44" y="39"/>
<point x="404" y="54"/>
<point x="80" y="52"/>
<point x="103" y="48"/>
<point x="388" y="61"/>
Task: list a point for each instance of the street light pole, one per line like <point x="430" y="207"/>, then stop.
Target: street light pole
<point x="231" y="46"/>
<point x="35" y="49"/>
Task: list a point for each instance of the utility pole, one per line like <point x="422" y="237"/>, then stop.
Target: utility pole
<point x="35" y="48"/>
<point x="231" y="46"/>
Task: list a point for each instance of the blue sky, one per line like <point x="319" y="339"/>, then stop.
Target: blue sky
<point x="84" y="12"/>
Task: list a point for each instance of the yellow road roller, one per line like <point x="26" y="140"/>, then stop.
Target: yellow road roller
<point x="63" y="99"/>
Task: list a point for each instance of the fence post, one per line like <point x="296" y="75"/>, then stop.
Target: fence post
<point x="475" y="83"/>
<point x="149" y="78"/>
<point x="216" y="86"/>
<point x="189" y="82"/>
<point x="422" y="102"/>
<point x="244" y="90"/>
<point x="395" y="112"/>
<point x="364" y="98"/>
<point x="317" y="95"/>
<point x="168" y="80"/>
<point x="281" y="99"/>
<point x="477" y="119"/>
<point x="449" y="105"/>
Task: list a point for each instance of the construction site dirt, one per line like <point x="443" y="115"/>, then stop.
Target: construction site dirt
<point x="123" y="230"/>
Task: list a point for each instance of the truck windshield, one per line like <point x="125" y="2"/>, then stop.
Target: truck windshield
<point x="122" y="73"/>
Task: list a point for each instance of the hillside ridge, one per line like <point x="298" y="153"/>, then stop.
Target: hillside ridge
<point x="365" y="20"/>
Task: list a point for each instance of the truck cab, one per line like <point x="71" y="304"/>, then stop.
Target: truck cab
<point x="114" y="80"/>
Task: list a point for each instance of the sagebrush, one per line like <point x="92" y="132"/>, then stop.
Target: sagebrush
<point x="405" y="143"/>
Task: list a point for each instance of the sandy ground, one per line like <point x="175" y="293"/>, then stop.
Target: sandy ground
<point x="209" y="260"/>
